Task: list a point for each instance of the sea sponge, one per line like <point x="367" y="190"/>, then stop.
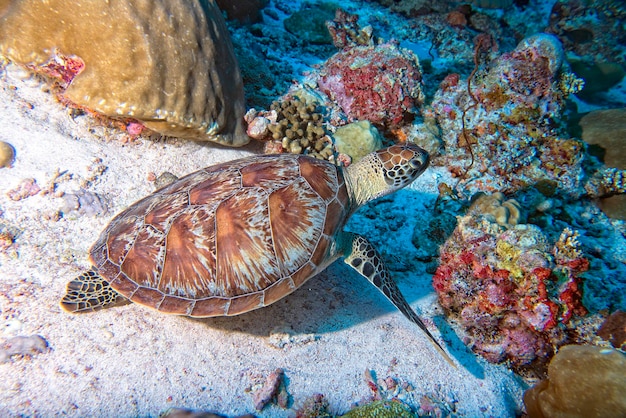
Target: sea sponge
<point x="583" y="381"/>
<point x="167" y="63"/>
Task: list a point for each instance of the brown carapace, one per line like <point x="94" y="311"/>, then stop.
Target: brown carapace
<point x="243" y="234"/>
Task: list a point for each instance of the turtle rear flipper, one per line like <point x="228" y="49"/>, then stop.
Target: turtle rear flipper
<point x="88" y="292"/>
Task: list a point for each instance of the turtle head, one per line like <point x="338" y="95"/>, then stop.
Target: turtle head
<point x="385" y="171"/>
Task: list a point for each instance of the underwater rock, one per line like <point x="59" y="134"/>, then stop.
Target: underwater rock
<point x="357" y="139"/>
<point x="83" y="203"/>
<point x="7" y="155"/>
<point x="492" y="4"/>
<point x="613" y="329"/>
<point x="379" y="83"/>
<point x="509" y="288"/>
<point x="22" y="346"/>
<point x="244" y="11"/>
<point x="168" y="64"/>
<point x="309" y="23"/>
<point x="583" y="381"/>
<point x="591" y="29"/>
<point x="346" y="32"/>
<point x="604" y="131"/>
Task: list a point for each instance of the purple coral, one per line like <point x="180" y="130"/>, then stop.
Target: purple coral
<point x="379" y="83"/>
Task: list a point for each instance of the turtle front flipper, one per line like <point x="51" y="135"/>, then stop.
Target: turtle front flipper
<point x="88" y="292"/>
<point x="363" y="257"/>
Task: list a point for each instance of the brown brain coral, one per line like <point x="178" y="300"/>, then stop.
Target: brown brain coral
<point x="167" y="63"/>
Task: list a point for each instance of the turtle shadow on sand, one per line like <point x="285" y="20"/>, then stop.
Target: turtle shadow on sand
<point x="333" y="300"/>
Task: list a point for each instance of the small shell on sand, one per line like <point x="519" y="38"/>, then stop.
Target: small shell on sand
<point x="7" y="155"/>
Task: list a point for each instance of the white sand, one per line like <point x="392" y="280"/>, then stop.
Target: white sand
<point x="130" y="361"/>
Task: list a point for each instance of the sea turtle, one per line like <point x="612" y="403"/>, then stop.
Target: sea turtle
<point x="243" y="234"/>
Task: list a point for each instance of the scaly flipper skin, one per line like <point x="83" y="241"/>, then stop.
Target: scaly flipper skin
<point x="363" y="257"/>
<point x="88" y="292"/>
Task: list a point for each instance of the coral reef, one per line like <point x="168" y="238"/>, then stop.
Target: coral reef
<point x="583" y="381"/>
<point x="509" y="289"/>
<point x="497" y="124"/>
<point x="379" y="83"/>
<point x="130" y="59"/>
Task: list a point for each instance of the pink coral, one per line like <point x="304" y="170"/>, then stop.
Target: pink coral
<point x="377" y="83"/>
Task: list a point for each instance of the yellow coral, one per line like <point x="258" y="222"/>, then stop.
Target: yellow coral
<point x="508" y="255"/>
<point x="570" y="84"/>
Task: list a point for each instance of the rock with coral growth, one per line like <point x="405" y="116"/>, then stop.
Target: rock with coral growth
<point x="497" y="128"/>
<point x="168" y="64"/>
<point x="379" y="83"/>
<point x="509" y="288"/>
<point x="584" y="381"/>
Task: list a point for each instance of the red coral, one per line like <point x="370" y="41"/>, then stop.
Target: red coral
<point x="376" y="83"/>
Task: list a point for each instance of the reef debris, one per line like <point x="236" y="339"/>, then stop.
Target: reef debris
<point x="272" y="389"/>
<point x="130" y="59"/>
<point x="24" y="346"/>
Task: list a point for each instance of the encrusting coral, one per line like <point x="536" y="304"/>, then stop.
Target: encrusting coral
<point x="168" y="64"/>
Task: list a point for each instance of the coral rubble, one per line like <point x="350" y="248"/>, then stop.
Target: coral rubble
<point x="132" y="59"/>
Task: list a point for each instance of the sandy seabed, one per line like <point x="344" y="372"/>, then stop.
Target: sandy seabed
<point x="130" y="361"/>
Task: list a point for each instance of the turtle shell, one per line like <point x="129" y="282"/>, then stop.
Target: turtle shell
<point x="226" y="239"/>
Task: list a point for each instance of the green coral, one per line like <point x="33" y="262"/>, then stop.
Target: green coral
<point x="381" y="409"/>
